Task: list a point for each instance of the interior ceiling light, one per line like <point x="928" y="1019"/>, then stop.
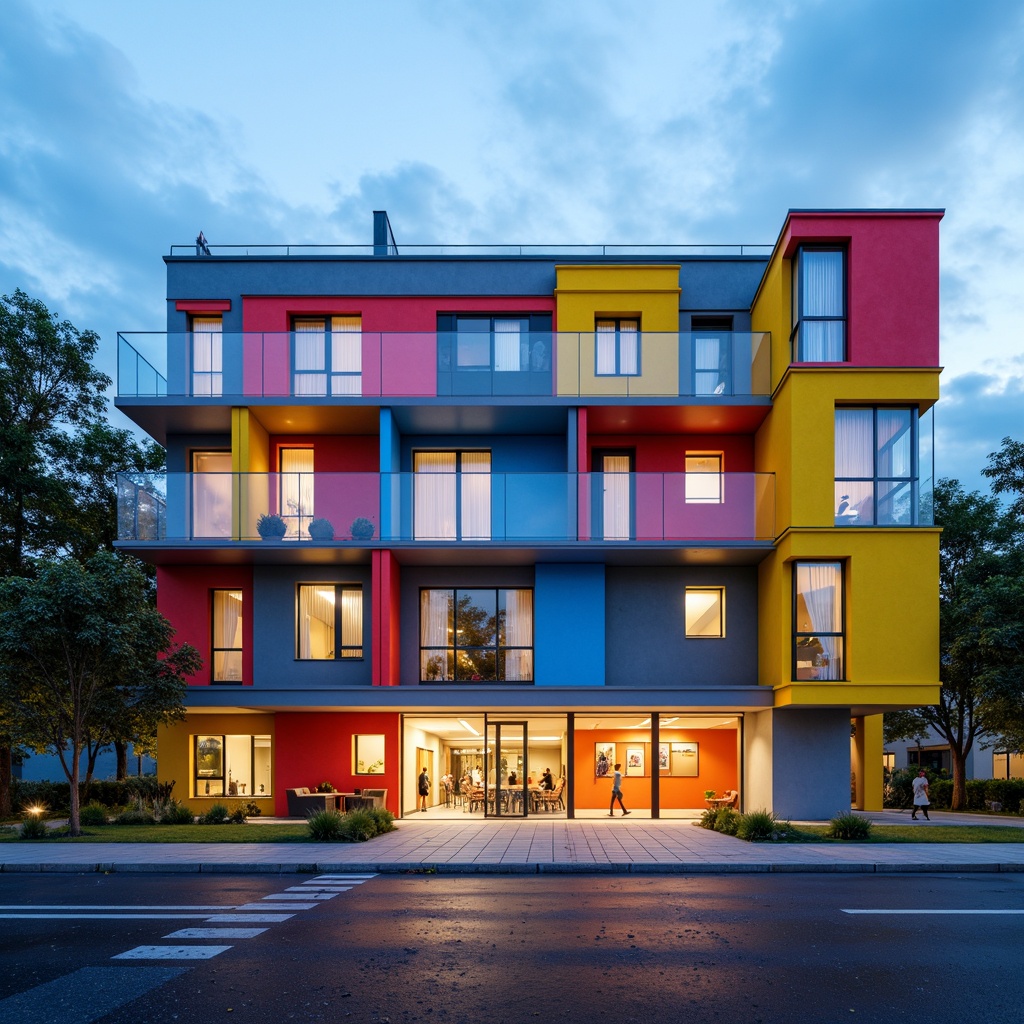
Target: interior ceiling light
<point x="465" y="725"/>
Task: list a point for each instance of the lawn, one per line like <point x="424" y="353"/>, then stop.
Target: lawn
<point x="287" y="833"/>
<point x="923" y="834"/>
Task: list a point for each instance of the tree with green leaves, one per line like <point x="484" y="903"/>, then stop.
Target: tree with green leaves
<point x="79" y="641"/>
<point x="981" y="620"/>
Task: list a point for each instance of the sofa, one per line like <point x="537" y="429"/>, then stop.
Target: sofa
<point x="302" y="802"/>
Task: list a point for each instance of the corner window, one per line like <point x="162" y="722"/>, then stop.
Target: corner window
<point x="819" y="305"/>
<point x="617" y="347"/>
<point x="705" y="482"/>
<point x="330" y="622"/>
<point x="818" y="621"/>
<point x="207" y="356"/>
<point x="476" y="635"/>
<point x="231" y="766"/>
<point x="227" y="636"/>
<point x="367" y="755"/>
<point x="327" y="355"/>
<point x="705" y="612"/>
<point x="876" y="467"/>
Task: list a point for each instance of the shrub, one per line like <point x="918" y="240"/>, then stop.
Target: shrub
<point x="216" y="815"/>
<point x="237" y="816"/>
<point x="34" y="828"/>
<point x="358" y="826"/>
<point x="727" y="821"/>
<point x="93" y="813"/>
<point x="326" y="826"/>
<point x="253" y="809"/>
<point x="383" y="818"/>
<point x="176" y="813"/>
<point x="708" y="818"/>
<point x="762" y="827"/>
<point x="137" y="815"/>
<point x="847" y="825"/>
<point x="321" y="529"/>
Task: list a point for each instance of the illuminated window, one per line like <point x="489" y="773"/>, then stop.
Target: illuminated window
<point x="818" y="621"/>
<point x="705" y="612"/>
<point x="227" y="636"/>
<point x="231" y="766"/>
<point x="368" y="755"/>
<point x="328" y="613"/>
<point x="705" y="483"/>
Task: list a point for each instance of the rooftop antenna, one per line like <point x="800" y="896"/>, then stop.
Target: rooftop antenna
<point x="202" y="249"/>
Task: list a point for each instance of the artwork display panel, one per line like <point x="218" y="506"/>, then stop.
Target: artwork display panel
<point x="684" y="759"/>
<point x="634" y="761"/>
<point x="604" y="760"/>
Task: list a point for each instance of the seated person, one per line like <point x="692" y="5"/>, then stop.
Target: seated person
<point x="546" y="781"/>
<point x="513" y="779"/>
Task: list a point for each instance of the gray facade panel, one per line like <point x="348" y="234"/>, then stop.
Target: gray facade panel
<point x="179" y="445"/>
<point x="810" y="762"/>
<point x="274" y="629"/>
<point x="645" y="628"/>
<point x="719" y="285"/>
<point x="416" y="577"/>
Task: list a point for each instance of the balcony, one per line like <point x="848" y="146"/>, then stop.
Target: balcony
<point x="448" y="509"/>
<point x="230" y="368"/>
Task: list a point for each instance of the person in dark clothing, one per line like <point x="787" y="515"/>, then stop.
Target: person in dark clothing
<point x="546" y="781"/>
<point x="617" y="792"/>
<point x="423" y="786"/>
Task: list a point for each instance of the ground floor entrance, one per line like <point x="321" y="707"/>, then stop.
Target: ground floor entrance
<point x="510" y="766"/>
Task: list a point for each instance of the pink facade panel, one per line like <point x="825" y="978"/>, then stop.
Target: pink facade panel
<point x="892" y="281"/>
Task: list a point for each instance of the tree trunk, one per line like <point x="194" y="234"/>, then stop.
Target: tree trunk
<point x="121" y="749"/>
<point x="94" y="752"/>
<point x="75" y="822"/>
<point x="959" y="763"/>
<point x="5" y="782"/>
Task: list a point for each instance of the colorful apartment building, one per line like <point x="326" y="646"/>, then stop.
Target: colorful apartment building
<point x="496" y="511"/>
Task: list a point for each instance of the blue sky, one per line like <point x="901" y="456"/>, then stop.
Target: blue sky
<point x="126" y="127"/>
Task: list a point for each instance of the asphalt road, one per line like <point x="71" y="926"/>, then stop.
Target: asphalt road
<point x="454" y="949"/>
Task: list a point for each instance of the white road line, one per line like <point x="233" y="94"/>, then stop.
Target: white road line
<point x="216" y="933"/>
<point x="112" y="906"/>
<point x="318" y="888"/>
<point x="933" y="911"/>
<point x="354" y="879"/>
<point x="171" y="953"/>
<point x="104" y="917"/>
<point x="306" y="895"/>
<point x="246" y="918"/>
<point x="276" y="906"/>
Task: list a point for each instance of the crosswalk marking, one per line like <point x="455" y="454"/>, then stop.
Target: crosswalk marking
<point x="104" y="917"/>
<point x="216" y="933"/>
<point x="171" y="953"/>
<point x="306" y="895"/>
<point x="113" y="906"/>
<point x="309" y="887"/>
<point x="243" y="918"/>
<point x="276" y="906"/>
<point x="354" y="879"/>
<point x="933" y="911"/>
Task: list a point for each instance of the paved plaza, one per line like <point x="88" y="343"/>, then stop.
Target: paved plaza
<point x="636" y="845"/>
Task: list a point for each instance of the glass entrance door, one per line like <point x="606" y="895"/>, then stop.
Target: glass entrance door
<point x="505" y="770"/>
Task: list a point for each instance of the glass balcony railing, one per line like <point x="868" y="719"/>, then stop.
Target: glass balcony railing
<point x="235" y="367"/>
<point x="446" y="508"/>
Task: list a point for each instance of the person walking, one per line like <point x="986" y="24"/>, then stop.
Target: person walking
<point x="423" y="785"/>
<point x="921" y="801"/>
<point x="617" y="792"/>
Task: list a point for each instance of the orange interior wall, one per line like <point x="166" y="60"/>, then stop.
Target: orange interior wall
<point x="717" y="761"/>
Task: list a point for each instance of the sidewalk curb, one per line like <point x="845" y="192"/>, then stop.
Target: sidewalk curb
<point x="564" y="868"/>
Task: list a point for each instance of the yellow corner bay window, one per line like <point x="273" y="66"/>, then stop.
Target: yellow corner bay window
<point x="237" y="766"/>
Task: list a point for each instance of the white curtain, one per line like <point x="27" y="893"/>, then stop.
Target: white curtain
<point x="519" y="633"/>
<point x="227" y="633"/>
<point x="475" y="482"/>
<point x="310" y="358"/>
<point x="604" y="339"/>
<point x="616" y="506"/>
<point x="819" y="586"/>
<point x="854" y="443"/>
<point x="207" y="356"/>
<point x="895" y="456"/>
<point x="822" y="283"/>
<point x="316" y="622"/>
<point x="434" y="487"/>
<point x="211" y="494"/>
<point x="506" y="345"/>
<point x="435" y="622"/>
<point x="297" y="491"/>
<point x="629" y="347"/>
<point x="346" y="355"/>
<point x="352" y="623"/>
<point x="706" y="356"/>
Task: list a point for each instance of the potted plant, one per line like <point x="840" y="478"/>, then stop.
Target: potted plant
<point x="271" y="527"/>
<point x="325" y="787"/>
<point x="321" y="529"/>
<point x="362" y="529"/>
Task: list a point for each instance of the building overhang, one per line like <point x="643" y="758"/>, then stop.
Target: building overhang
<point x="861" y="698"/>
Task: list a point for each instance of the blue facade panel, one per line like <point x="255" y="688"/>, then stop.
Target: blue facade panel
<point x="568" y="629"/>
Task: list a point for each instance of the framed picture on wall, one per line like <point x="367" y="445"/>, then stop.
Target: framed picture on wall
<point x="685" y="760"/>
<point x="634" y="760"/>
<point x="604" y="759"/>
<point x="663" y="761"/>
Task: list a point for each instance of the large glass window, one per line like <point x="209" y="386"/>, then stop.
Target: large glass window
<point x="819" y="305"/>
<point x="617" y="345"/>
<point x="476" y="635"/>
<point x="498" y="343"/>
<point x="297" y="484"/>
<point x="227" y="636"/>
<point x="876" y="478"/>
<point x="329" y="613"/>
<point x="327" y="355"/>
<point x="452" y="495"/>
<point x="818" y="621"/>
<point x="236" y="766"/>
<point x="367" y="755"/>
<point x="207" y="357"/>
